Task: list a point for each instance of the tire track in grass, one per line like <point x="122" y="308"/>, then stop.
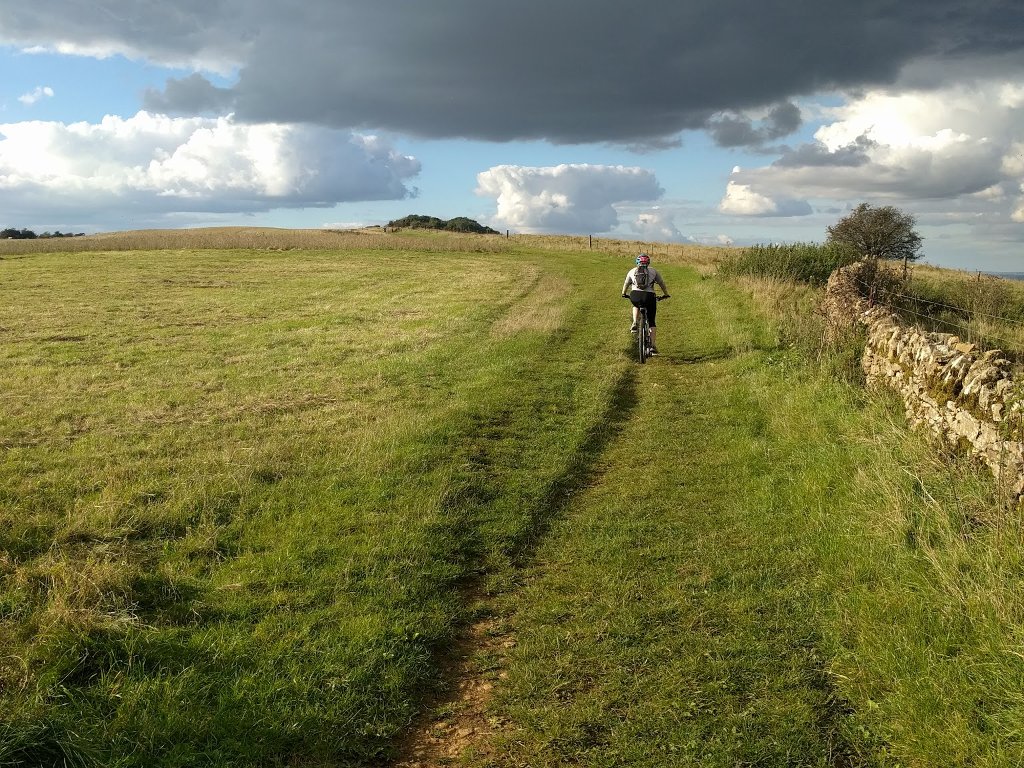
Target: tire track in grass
<point x="457" y="719"/>
<point x="668" y="618"/>
<point x="488" y="494"/>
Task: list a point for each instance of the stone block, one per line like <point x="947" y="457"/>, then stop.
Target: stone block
<point x="915" y="363"/>
<point x="987" y="435"/>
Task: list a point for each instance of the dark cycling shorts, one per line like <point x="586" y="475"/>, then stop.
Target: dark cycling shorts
<point x="648" y="300"/>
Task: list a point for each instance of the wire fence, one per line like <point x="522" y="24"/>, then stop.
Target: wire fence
<point x="898" y="302"/>
<point x="974" y="313"/>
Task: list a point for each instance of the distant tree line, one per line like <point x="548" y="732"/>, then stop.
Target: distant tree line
<point x="458" y="224"/>
<point x="27" y="234"/>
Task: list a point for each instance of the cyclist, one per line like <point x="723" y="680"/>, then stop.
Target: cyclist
<point x="639" y="289"/>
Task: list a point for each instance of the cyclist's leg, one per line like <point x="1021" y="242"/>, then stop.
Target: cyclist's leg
<point x="652" y="318"/>
<point x="636" y="298"/>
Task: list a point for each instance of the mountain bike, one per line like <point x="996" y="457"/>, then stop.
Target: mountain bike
<point x="643" y="337"/>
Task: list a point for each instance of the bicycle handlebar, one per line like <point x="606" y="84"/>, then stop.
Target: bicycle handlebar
<point x="659" y="298"/>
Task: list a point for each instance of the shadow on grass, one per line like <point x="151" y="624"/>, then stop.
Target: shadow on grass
<point x="832" y="715"/>
<point x="703" y="356"/>
<point x="691" y="358"/>
<point x="484" y="484"/>
<point x="580" y="469"/>
<point x="578" y="472"/>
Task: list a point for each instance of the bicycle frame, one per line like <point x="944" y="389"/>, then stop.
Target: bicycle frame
<point x="644" y="342"/>
<point x="643" y="335"/>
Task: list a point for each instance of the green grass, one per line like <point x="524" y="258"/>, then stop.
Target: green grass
<point x="766" y="569"/>
<point x="240" y="493"/>
<point x="804" y="262"/>
<point x="245" y="512"/>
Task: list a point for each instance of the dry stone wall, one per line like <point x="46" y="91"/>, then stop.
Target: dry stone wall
<point x="964" y="396"/>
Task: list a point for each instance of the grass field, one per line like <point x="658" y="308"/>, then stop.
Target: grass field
<point x="250" y="497"/>
<point x="368" y="239"/>
<point x="250" y="482"/>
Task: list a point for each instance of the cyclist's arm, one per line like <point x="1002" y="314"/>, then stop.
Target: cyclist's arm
<point x="625" y="285"/>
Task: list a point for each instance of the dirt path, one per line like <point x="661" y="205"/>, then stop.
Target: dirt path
<point x="457" y="723"/>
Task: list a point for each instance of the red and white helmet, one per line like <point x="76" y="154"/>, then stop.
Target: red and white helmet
<point x="643" y="260"/>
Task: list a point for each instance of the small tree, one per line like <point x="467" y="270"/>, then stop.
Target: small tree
<point x="878" y="233"/>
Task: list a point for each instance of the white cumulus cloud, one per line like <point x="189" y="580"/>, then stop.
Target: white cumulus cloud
<point x="954" y="152"/>
<point x="36" y="94"/>
<point x="1018" y="213"/>
<point x="157" y="164"/>
<point x="565" y="198"/>
<point x="744" y="200"/>
<point x="656" y="224"/>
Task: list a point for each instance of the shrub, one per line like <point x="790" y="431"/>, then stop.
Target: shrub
<point x="458" y="224"/>
<point x="17" y="234"/>
<point x="810" y="263"/>
<point x="462" y="224"/>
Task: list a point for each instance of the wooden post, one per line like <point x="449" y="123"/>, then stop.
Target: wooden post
<point x="591" y="242"/>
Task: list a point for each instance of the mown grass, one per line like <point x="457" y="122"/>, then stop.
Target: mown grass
<point x="768" y="568"/>
<point x="241" y="493"/>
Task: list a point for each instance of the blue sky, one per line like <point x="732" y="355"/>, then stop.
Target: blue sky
<point x="727" y="123"/>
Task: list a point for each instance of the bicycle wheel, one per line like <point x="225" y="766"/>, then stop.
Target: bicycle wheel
<point x="643" y="338"/>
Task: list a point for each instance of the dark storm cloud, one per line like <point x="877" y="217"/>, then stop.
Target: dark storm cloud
<point x="567" y="71"/>
<point x="193" y="95"/>
<point x="817" y="154"/>
<point x="740" y="131"/>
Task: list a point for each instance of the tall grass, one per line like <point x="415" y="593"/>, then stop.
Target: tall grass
<point x="982" y="309"/>
<point x="803" y="262"/>
<point x="978" y="308"/>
